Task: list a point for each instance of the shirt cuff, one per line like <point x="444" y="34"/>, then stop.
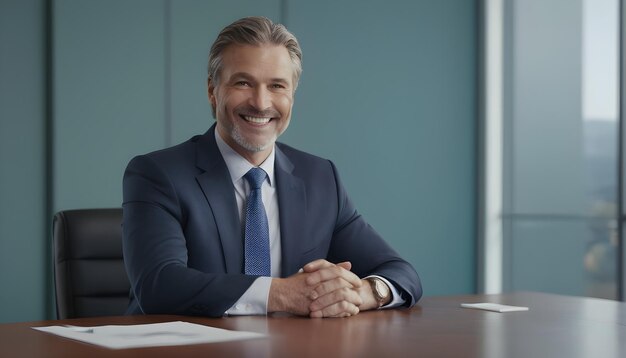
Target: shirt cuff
<point x="396" y="298"/>
<point x="254" y="300"/>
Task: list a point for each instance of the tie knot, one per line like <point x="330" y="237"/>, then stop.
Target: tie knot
<point x="255" y="177"/>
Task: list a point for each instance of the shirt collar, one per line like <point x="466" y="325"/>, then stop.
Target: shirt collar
<point x="238" y="166"/>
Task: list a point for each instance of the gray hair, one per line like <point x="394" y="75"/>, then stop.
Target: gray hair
<point x="255" y="30"/>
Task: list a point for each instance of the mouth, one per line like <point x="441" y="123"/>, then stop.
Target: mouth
<point x="256" y="120"/>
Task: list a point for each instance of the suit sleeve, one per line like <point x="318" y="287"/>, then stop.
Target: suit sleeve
<point x="155" y="251"/>
<point x="356" y="241"/>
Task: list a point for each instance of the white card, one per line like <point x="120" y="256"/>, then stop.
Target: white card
<point x="495" y="307"/>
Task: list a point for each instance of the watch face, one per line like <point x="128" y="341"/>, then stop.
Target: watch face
<point x="381" y="289"/>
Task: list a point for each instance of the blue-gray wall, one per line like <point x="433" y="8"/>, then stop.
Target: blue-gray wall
<point x="23" y="216"/>
<point x="388" y="93"/>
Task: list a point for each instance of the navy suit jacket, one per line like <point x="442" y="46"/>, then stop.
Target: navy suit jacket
<point x="183" y="240"/>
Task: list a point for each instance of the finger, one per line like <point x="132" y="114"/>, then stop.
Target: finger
<point x="341" y="295"/>
<point x="329" y="286"/>
<point x="340" y="309"/>
<point x="317" y="265"/>
<point x="330" y="273"/>
<point x="320" y="314"/>
<point x="352" y="312"/>
<point x="333" y="272"/>
<point x="321" y="263"/>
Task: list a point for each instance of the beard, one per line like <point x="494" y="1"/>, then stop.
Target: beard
<point x="236" y="135"/>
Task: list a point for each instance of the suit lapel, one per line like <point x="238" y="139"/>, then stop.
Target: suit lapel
<point x="217" y="187"/>
<point x="292" y="207"/>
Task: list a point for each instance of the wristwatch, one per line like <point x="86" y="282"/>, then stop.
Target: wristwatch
<point x="380" y="290"/>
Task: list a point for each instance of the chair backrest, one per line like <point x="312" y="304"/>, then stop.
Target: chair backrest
<point x="89" y="275"/>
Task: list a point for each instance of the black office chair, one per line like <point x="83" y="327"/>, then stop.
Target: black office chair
<point x="89" y="275"/>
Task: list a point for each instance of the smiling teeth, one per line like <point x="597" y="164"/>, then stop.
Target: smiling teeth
<point x="259" y="120"/>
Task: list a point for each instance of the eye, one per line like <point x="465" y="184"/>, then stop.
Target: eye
<point x="242" y="83"/>
<point x="277" y="86"/>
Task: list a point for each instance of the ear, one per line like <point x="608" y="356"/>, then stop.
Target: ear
<point x="211" y="94"/>
<point x="211" y="91"/>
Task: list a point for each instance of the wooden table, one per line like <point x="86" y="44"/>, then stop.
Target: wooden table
<point x="555" y="326"/>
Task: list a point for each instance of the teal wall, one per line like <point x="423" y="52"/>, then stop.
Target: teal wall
<point x="108" y="93"/>
<point x="388" y="94"/>
<point x="23" y="217"/>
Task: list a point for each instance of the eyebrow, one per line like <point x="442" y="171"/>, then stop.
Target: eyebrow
<point x="280" y="80"/>
<point x="247" y="76"/>
<point x="240" y="75"/>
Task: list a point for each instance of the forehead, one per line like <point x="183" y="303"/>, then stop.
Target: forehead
<point x="262" y="62"/>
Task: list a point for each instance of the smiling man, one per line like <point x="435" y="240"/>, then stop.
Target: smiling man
<point x="232" y="222"/>
<point x="253" y="97"/>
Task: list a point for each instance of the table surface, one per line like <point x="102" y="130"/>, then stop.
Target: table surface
<point x="555" y="326"/>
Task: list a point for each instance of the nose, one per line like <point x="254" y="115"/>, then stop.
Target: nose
<point x="261" y="98"/>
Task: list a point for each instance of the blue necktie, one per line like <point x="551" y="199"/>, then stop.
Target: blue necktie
<point x="257" y="236"/>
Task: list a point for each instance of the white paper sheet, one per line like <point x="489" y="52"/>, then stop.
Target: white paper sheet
<point x="495" y="307"/>
<point x="149" y="335"/>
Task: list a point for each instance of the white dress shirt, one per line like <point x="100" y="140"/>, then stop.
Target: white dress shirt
<point x="254" y="300"/>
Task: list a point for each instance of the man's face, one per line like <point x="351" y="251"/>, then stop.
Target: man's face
<point x="253" y="98"/>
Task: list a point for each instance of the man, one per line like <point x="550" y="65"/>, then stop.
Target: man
<point x="233" y="223"/>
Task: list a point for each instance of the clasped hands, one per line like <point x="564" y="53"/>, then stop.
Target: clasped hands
<point x="321" y="289"/>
